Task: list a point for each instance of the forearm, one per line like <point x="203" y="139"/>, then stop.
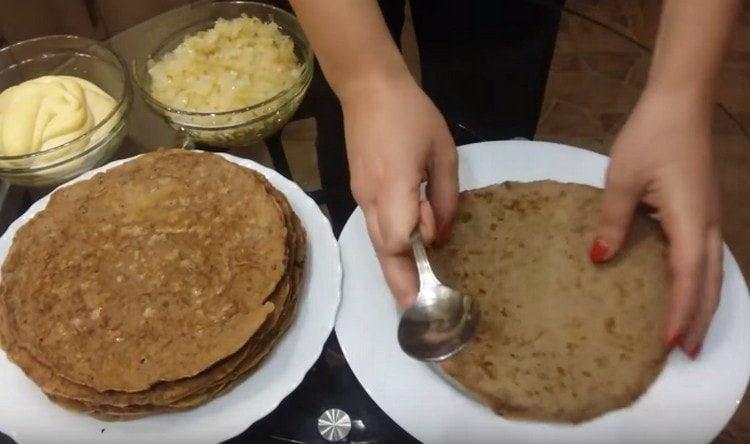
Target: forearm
<point x="693" y="35"/>
<point x="352" y="43"/>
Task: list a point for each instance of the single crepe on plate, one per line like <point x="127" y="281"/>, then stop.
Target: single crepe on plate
<point x="154" y="286"/>
<point x="560" y="339"/>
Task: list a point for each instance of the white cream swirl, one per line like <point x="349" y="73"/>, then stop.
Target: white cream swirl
<point x="48" y="111"/>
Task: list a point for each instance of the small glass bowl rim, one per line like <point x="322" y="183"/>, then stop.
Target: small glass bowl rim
<point x="119" y="109"/>
<point x="119" y="126"/>
<point x="251" y="121"/>
<point x="302" y="83"/>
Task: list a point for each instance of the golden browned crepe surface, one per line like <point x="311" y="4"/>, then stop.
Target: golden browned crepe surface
<point x="560" y="338"/>
<point x="188" y="286"/>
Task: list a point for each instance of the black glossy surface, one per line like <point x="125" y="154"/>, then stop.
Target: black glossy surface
<point x="485" y="65"/>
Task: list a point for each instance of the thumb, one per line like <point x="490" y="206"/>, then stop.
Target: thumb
<point x="617" y="207"/>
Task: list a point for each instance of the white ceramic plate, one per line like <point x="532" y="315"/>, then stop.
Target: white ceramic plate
<point x="28" y="416"/>
<point x="689" y="402"/>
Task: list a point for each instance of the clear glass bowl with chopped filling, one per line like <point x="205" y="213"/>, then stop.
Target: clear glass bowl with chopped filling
<point x="67" y="55"/>
<point x="238" y="126"/>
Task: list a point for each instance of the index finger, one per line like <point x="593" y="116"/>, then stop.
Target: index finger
<point x="398" y="269"/>
<point x="398" y="216"/>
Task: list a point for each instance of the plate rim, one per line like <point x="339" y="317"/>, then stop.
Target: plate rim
<point x="730" y="262"/>
<point x="296" y="374"/>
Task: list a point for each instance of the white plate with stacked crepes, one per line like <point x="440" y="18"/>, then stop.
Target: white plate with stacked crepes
<point x="676" y="400"/>
<point x="182" y="294"/>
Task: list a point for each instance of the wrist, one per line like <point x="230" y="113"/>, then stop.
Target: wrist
<point x="694" y="101"/>
<point x="373" y="82"/>
<point x="685" y="88"/>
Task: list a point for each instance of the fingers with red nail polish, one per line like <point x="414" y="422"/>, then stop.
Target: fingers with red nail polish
<point x="693" y="353"/>
<point x="673" y="340"/>
<point x="621" y="196"/>
<point x="443" y="234"/>
<point x="599" y="252"/>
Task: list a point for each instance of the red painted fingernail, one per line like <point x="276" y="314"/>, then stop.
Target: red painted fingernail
<point x="599" y="251"/>
<point x="443" y="233"/>
<point x="695" y="351"/>
<point x="674" y="340"/>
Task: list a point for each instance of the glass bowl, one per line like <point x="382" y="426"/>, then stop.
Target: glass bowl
<point x="239" y="127"/>
<point x="72" y="56"/>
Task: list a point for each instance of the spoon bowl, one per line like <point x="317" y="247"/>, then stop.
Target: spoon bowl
<point x="441" y="321"/>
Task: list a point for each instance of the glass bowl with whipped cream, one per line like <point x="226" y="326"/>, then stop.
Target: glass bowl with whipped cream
<point x="64" y="102"/>
<point x="226" y="74"/>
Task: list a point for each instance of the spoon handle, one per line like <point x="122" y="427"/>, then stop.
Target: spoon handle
<point x="427" y="278"/>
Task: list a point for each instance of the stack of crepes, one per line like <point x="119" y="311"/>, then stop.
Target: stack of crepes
<point x="152" y="287"/>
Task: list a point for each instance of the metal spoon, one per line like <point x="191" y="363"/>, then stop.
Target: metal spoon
<point x="441" y="321"/>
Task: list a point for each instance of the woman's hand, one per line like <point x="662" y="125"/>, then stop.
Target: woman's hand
<point x="662" y="157"/>
<point x="395" y="136"/>
<point x="396" y="139"/>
